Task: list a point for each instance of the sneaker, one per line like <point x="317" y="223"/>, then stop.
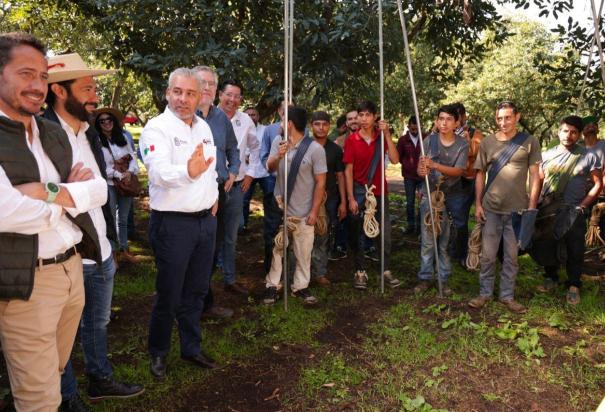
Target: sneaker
<point x="323" y="281"/>
<point x="337" y="254"/>
<point x="372" y="254"/>
<point x="390" y="280"/>
<point x="74" y="404"/>
<point x="305" y="295"/>
<point x="270" y="295"/>
<point x="547" y="286"/>
<point x="479" y="302"/>
<point x="360" y="281"/>
<point x="573" y="296"/>
<point x="104" y="388"/>
<point x="422" y="287"/>
<point x="513" y="305"/>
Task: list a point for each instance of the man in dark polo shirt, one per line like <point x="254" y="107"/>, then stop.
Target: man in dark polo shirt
<point x="336" y="201"/>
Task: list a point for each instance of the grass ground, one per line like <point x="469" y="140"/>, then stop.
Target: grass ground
<point x="367" y="351"/>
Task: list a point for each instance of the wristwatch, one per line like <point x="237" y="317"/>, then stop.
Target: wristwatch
<point x="52" y="190"/>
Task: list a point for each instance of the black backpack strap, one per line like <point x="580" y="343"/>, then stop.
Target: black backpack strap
<point x="374" y="164"/>
<point x="504" y="157"/>
<point x="296" y="162"/>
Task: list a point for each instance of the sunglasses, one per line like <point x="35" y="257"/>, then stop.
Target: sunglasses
<point x="105" y="120"/>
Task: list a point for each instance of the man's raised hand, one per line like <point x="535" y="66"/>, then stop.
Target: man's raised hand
<point x="197" y="163"/>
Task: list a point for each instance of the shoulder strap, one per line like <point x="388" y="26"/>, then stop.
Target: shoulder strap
<point x="567" y="172"/>
<point x="295" y="165"/>
<point x="375" y="159"/>
<point x="504" y="157"/>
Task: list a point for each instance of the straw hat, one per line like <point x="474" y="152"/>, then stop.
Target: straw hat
<point x="69" y="67"/>
<point x="115" y="112"/>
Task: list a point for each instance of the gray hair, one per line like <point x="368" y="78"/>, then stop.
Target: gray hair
<point x="208" y="69"/>
<point x="187" y="73"/>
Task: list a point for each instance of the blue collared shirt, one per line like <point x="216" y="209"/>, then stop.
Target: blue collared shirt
<point x="227" y="153"/>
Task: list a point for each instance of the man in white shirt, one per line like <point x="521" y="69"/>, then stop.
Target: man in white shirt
<point x="230" y="98"/>
<point x="45" y="230"/>
<point x="179" y="153"/>
<point x="71" y="99"/>
<point x="260" y="171"/>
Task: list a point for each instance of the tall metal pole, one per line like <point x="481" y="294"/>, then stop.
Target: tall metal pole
<point x="285" y="136"/>
<point x="597" y="35"/>
<point x="417" y="113"/>
<point x="382" y="188"/>
<point x="291" y="50"/>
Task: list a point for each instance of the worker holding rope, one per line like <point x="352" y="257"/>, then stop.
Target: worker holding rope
<point x="305" y="191"/>
<point x="363" y="181"/>
<point x="572" y="182"/>
<point x="444" y="162"/>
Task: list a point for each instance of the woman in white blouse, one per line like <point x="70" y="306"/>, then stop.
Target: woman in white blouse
<point x="121" y="162"/>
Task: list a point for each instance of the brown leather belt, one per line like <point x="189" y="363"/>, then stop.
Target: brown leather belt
<point x="60" y="258"/>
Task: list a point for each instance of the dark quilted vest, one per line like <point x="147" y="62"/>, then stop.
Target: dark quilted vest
<point x="19" y="253"/>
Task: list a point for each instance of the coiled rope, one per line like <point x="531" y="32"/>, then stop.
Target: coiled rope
<point x="593" y="233"/>
<point x="437" y="200"/>
<point x="473" y="258"/>
<point x="370" y="225"/>
<point x="292" y="226"/>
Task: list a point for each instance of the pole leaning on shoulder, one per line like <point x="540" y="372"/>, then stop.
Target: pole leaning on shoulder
<point x="287" y="88"/>
<point x="417" y="113"/>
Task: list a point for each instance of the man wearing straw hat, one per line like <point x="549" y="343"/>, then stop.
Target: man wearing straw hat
<point x="45" y="229"/>
<point x="71" y="100"/>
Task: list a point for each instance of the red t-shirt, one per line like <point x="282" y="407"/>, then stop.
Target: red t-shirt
<point x="359" y="153"/>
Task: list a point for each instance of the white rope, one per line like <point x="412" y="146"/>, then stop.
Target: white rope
<point x="417" y="113"/>
<point x="370" y="224"/>
<point x="371" y="229"/>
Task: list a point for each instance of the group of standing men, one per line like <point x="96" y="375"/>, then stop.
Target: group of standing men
<point x="56" y="265"/>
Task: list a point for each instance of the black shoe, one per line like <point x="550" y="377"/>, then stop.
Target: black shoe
<point x="372" y="254"/>
<point x="306" y="296"/>
<point x="337" y="254"/>
<point x="103" y="388"/>
<point x="158" y="366"/>
<point x="75" y="404"/>
<point x="217" y="312"/>
<point x="236" y="289"/>
<point x="201" y="360"/>
<point x="270" y="296"/>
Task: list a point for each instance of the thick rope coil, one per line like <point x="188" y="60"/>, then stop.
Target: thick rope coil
<point x="593" y="233"/>
<point x="437" y="200"/>
<point x="321" y="224"/>
<point x="370" y="225"/>
<point x="292" y="225"/>
<point x="473" y="258"/>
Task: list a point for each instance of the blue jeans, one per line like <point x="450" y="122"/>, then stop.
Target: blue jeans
<point x="98" y="288"/>
<point x="427" y="248"/>
<point x="411" y="186"/>
<point x="228" y="218"/>
<point x="184" y="248"/>
<point x="458" y="213"/>
<point x="497" y="228"/>
<point x="264" y="183"/>
<point x="120" y="207"/>
<point x="272" y="220"/>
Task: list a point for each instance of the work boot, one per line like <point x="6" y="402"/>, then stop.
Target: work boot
<point x="104" y="388"/>
<point x="360" y="281"/>
<point x="390" y="280"/>
<point x="513" y="305"/>
<point x="422" y="287"/>
<point x="479" y="302"/>
<point x="236" y="289"/>
<point x="75" y="404"/>
<point x="547" y="286"/>
<point x="217" y="312"/>
<point x="323" y="281"/>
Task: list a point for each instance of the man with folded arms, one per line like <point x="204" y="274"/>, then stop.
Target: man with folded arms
<point x="45" y="230"/>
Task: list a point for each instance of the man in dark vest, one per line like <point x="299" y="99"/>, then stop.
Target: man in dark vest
<point x="71" y="99"/>
<point x="45" y="230"/>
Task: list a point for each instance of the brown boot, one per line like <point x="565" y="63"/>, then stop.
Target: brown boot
<point x="513" y="306"/>
<point x="126" y="257"/>
<point x="323" y="281"/>
<point x="479" y="302"/>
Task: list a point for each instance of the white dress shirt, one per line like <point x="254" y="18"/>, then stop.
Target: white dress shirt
<point x="260" y="170"/>
<point x="167" y="144"/>
<point x="83" y="153"/>
<point x="21" y="214"/>
<point x="247" y="143"/>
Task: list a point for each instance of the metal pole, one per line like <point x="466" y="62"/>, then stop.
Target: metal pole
<point x="291" y="50"/>
<point x="417" y="113"/>
<point x="285" y="138"/>
<point x="597" y="35"/>
<point x="382" y="188"/>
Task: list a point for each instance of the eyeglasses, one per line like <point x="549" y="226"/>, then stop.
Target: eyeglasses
<point x="206" y="83"/>
<point x="105" y="120"/>
<point x="233" y="96"/>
